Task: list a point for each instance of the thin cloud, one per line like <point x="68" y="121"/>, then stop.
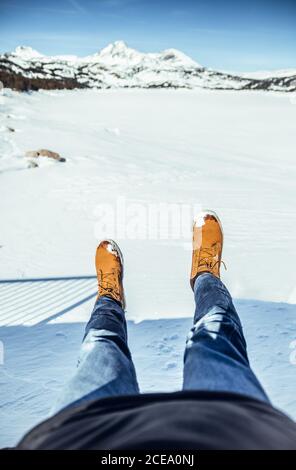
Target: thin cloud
<point x="77" y="6"/>
<point x="37" y="8"/>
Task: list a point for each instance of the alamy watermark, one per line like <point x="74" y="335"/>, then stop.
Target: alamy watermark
<point x="126" y="220"/>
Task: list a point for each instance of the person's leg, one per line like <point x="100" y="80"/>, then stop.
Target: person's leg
<point x="105" y="366"/>
<point x="215" y="356"/>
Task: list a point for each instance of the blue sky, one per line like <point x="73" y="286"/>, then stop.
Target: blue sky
<point x="228" y="35"/>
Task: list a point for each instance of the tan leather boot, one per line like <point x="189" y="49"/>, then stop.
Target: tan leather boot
<point x="207" y="245"/>
<point x="109" y="266"/>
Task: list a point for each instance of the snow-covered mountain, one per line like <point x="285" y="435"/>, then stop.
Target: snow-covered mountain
<point x="119" y="66"/>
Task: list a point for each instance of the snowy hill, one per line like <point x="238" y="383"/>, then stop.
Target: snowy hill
<point x="263" y="74"/>
<point x="117" y="65"/>
<point x="233" y="152"/>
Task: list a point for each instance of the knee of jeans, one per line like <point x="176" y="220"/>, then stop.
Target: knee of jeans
<point x="105" y="337"/>
<point x="91" y="340"/>
<point x="216" y="322"/>
<point x="94" y="335"/>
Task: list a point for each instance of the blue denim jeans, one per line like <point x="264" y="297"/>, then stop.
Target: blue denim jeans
<point x="215" y="356"/>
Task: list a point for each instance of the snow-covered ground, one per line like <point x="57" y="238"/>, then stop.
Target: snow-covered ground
<point x="233" y="152"/>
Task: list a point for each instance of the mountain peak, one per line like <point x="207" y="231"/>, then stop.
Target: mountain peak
<point x="119" y="45"/>
<point x="114" y="48"/>
<point x="119" y="52"/>
<point x="26" y="52"/>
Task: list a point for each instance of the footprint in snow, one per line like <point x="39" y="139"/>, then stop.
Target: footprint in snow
<point x="170" y="365"/>
<point x="171" y="338"/>
<point x="60" y="334"/>
<point x="164" y="348"/>
<point x="175" y="354"/>
<point x="175" y="336"/>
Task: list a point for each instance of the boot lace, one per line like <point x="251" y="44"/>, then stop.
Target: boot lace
<point x="207" y="258"/>
<point x="107" y="283"/>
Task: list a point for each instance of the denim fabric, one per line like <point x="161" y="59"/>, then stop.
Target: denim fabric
<point x="105" y="366"/>
<point x="215" y="356"/>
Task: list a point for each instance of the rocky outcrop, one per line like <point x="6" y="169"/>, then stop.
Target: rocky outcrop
<point x="35" y="154"/>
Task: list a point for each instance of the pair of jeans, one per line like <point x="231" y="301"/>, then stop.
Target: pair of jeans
<point x="215" y="356"/>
